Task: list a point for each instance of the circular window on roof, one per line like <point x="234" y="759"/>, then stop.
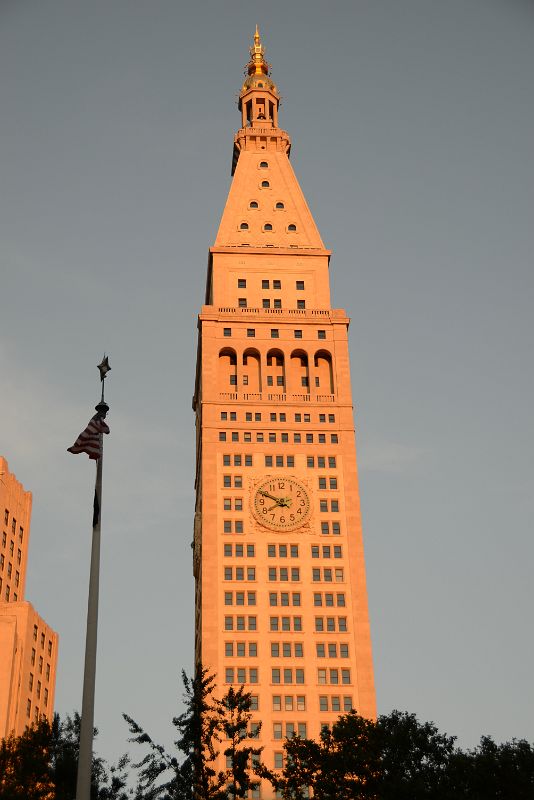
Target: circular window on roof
<point x="292" y="227"/>
<point x="265" y="184"/>
<point x="244" y="226"/>
<point x="267" y="226"/>
<point x="280" y="205"/>
<point x="253" y="204"/>
<point x="263" y="165"/>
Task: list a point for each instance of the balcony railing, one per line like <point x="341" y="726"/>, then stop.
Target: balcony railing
<point x="276" y="397"/>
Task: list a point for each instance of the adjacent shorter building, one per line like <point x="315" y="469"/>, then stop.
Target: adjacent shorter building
<point x="28" y="646"/>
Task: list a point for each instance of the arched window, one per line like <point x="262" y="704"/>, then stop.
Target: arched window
<point x="244" y="226"/>
<point x="265" y="184"/>
<point x="324" y="374"/>
<point x="264" y="165"/>
<point x="292" y="227"/>
<point x="276" y="370"/>
<point x="267" y="226"/>
<point x="300" y="372"/>
<point x="252" y="370"/>
<point x="253" y="204"/>
<point x="227" y="371"/>
<point x="280" y="205"/>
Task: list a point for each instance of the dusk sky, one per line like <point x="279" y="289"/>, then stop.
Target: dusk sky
<point x="412" y="125"/>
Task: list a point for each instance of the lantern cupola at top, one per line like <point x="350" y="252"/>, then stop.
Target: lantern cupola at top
<point x="259" y="98"/>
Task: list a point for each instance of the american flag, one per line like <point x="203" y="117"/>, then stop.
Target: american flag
<point x="89" y="440"/>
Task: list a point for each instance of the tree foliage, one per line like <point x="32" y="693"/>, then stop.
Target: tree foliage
<point x="42" y="764"/>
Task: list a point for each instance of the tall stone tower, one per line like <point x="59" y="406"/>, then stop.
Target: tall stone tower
<point x="28" y="646"/>
<point x="281" y="600"/>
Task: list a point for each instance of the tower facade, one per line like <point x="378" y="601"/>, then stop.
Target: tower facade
<point x="28" y="646"/>
<point x="281" y="600"/>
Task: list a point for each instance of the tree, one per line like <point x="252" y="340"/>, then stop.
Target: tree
<point x="42" y="764"/>
<point x="493" y="771"/>
<point x="234" y="719"/>
<point x="24" y="765"/>
<point x="392" y="758"/>
<point x="167" y="777"/>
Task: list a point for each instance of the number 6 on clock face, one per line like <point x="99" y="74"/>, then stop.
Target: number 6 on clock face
<point x="281" y="503"/>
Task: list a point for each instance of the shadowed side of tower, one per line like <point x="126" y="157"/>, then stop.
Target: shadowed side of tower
<point x="281" y="599"/>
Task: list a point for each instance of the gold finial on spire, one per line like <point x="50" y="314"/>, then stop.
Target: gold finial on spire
<point x="257" y="64"/>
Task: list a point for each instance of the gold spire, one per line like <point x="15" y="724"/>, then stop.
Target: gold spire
<point x="257" y="64"/>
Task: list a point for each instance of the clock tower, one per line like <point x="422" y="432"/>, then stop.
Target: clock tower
<point x="281" y="600"/>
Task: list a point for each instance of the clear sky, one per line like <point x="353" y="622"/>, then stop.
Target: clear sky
<point x="412" y="138"/>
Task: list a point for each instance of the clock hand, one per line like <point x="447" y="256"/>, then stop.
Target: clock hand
<point x="270" y="496"/>
<point x="271" y="507"/>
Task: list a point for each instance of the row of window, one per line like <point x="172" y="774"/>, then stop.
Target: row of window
<point x="230" y="526"/>
<point x="9" y="570"/>
<point x="298" y="438"/>
<point x="239" y="550"/>
<point x="7" y="592"/>
<point x="275" y="332"/>
<point x="284" y="574"/>
<point x="266" y="283"/>
<point x="40" y="664"/>
<point x="13" y="526"/>
<point x="38" y="688"/>
<point x="282" y="550"/>
<point x="274" y="417"/>
<point x="11" y="547"/>
<point x="291" y="702"/>
<point x="268" y="227"/>
<point x="285" y="623"/>
<point x="288" y="676"/>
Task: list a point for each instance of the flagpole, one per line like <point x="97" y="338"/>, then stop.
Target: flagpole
<point x="85" y="757"/>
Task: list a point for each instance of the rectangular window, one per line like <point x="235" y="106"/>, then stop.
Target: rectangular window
<point x="300" y="286"/>
<point x="333" y="438"/>
<point x="272" y="437"/>
<point x="228" y="623"/>
<point x="257" y="416"/>
<point x="268" y="461"/>
<point x="301" y="304"/>
<point x="336" y="528"/>
<point x="241" y="283"/>
<point x="321" y="334"/>
<point x="275" y="333"/>
<point x="251" y="333"/>
<point x="277" y="303"/>
<point x="275" y="676"/>
<point x="279" y="461"/>
<point x="265" y="284"/>
<point x="277" y="284"/>
<point x="233" y="380"/>
<point x="322" y="438"/>
<point x="297" y="334"/>
<point x="285" y="437"/>
<point x="297" y="438"/>
<point x="310" y="461"/>
<point x="266" y="303"/>
<point x="290" y="461"/>
<point x="242" y="302"/>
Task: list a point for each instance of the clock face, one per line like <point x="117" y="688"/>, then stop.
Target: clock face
<point x="281" y="503"/>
